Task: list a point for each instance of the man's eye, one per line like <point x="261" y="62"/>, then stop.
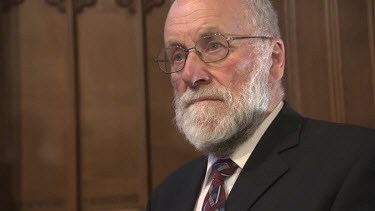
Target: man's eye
<point x="177" y="57"/>
<point x="214" y="46"/>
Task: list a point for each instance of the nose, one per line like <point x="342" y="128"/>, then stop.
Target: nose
<point x="195" y="72"/>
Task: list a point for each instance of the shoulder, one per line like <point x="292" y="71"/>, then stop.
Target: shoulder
<point x="327" y="131"/>
<point x="336" y="146"/>
<point x="322" y="140"/>
<point x="184" y="181"/>
<point x="183" y="172"/>
<point x="344" y="155"/>
<point x="337" y="132"/>
<point x="336" y="142"/>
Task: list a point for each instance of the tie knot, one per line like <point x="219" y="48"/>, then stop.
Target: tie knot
<point x="224" y="168"/>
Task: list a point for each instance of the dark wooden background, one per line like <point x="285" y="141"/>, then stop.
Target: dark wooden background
<point x="86" y="119"/>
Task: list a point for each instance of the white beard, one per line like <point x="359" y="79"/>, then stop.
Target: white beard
<point x="221" y="126"/>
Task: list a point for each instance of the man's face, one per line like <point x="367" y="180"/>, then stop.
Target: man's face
<point x="187" y="22"/>
<point x="216" y="101"/>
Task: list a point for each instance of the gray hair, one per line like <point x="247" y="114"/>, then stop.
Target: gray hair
<point x="263" y="17"/>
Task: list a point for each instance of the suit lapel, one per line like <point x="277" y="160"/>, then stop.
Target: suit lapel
<point x="265" y="166"/>
<point x="187" y="194"/>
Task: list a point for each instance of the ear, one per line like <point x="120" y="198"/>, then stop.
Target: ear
<point x="278" y="60"/>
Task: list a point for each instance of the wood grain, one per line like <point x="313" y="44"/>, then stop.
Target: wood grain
<point x="334" y="62"/>
<point x="112" y="105"/>
<point x="356" y="62"/>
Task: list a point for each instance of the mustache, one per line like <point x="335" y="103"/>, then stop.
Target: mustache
<point x="203" y="93"/>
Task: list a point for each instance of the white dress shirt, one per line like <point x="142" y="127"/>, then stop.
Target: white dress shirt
<point x="239" y="156"/>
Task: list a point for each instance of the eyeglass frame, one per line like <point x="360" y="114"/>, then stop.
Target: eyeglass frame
<point x="187" y="50"/>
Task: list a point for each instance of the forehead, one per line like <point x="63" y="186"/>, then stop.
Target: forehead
<point x="187" y="20"/>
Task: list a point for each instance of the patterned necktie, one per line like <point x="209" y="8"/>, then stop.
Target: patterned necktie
<point x="216" y="197"/>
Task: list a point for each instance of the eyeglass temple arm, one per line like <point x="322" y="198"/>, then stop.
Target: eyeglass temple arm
<point x="249" y="37"/>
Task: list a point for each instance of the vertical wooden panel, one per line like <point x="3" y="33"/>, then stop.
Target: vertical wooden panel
<point x="169" y="150"/>
<point x="9" y="113"/>
<point x="112" y="107"/>
<point x="47" y="108"/>
<point x="40" y="88"/>
<point x="312" y="59"/>
<point x="334" y="70"/>
<point x="371" y="27"/>
<point x="287" y="21"/>
<point x="357" y="72"/>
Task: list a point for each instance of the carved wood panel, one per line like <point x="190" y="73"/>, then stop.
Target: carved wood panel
<point x="39" y="109"/>
<point x="315" y="74"/>
<point x="9" y="114"/>
<point x="321" y="77"/>
<point x="77" y="115"/>
<point x="357" y="70"/>
<point x="371" y="26"/>
<point x="112" y="107"/>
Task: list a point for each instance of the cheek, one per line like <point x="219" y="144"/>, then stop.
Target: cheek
<point x="235" y="74"/>
<point x="178" y="84"/>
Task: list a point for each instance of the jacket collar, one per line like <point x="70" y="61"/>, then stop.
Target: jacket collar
<point x="265" y="165"/>
<point x="184" y="196"/>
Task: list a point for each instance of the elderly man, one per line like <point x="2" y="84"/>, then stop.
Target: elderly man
<point x="226" y="61"/>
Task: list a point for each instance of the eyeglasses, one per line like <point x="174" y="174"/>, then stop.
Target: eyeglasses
<point x="210" y="49"/>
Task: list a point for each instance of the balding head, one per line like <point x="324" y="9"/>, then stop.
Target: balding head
<point x="260" y="16"/>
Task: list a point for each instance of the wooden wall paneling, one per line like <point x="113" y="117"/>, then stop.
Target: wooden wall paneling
<point x="47" y="106"/>
<point x="9" y="111"/>
<point x="318" y="63"/>
<point x="312" y="48"/>
<point x="292" y="75"/>
<point x="112" y="107"/>
<point x="336" y="90"/>
<point x="356" y="62"/>
<point x="169" y="150"/>
<point x="40" y="88"/>
<point x="371" y="26"/>
<point x="287" y="21"/>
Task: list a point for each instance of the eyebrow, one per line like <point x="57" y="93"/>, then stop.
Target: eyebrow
<point x="207" y="32"/>
<point x="174" y="43"/>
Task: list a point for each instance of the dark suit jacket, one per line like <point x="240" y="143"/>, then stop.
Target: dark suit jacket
<point x="299" y="164"/>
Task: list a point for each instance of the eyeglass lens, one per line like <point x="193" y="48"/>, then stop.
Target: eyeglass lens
<point x="210" y="49"/>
